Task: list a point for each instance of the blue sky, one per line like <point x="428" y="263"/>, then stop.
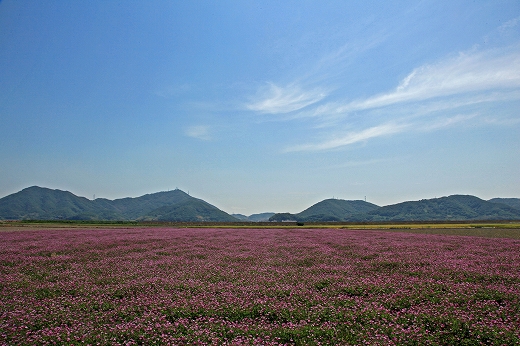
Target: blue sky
<point x="261" y="106"/>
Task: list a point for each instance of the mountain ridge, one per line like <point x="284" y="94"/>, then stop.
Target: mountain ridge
<point x="40" y="203"/>
<point x="259" y="217"/>
<point x="512" y="202"/>
<point x="448" y="208"/>
<point x="327" y="210"/>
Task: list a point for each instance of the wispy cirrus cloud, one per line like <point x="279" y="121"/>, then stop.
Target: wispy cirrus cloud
<point x="454" y="90"/>
<point x="340" y="140"/>
<point x="276" y="99"/>
<point x="429" y="98"/>
<point x="466" y="73"/>
<point x="350" y="137"/>
<point x="442" y="122"/>
<point x="201" y="132"/>
<point x="510" y="24"/>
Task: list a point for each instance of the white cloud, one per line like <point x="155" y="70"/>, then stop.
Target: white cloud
<point x="467" y="73"/>
<point x="431" y="97"/>
<point x="445" y="122"/>
<point x="383" y="130"/>
<point x="425" y="100"/>
<point x="199" y="132"/>
<point x="509" y="24"/>
<point x="350" y="138"/>
<point x="291" y="98"/>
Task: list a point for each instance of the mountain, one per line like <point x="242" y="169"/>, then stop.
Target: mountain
<point x="46" y="204"/>
<point x="37" y="203"/>
<point x="133" y="208"/>
<point x="240" y="217"/>
<point x="281" y="217"/>
<point x="455" y="208"/>
<point x="512" y="202"/>
<point x="328" y="210"/>
<point x="192" y="210"/>
<point x="337" y="209"/>
<point x="261" y="217"/>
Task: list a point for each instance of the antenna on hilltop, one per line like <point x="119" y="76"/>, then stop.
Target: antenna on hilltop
<point x="94" y="196"/>
<point x="365" y="198"/>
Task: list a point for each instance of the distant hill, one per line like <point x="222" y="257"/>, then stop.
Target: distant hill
<point x="328" y="210"/>
<point x="512" y="202"/>
<point x="261" y="217"/>
<point x="455" y="207"/>
<point x="37" y="203"/>
<point x="133" y="208"/>
<point x="190" y="210"/>
<point x="240" y="217"/>
<point x="281" y="217"/>
<point x="337" y="209"/>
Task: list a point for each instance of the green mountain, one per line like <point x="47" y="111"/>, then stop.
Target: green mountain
<point x="512" y="202"/>
<point x="328" y="210"/>
<point x="133" y="208"/>
<point x="335" y="209"/>
<point x="455" y="208"/>
<point x="37" y="203"/>
<point x="192" y="210"/>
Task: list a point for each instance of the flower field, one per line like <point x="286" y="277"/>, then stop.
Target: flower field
<point x="153" y="286"/>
